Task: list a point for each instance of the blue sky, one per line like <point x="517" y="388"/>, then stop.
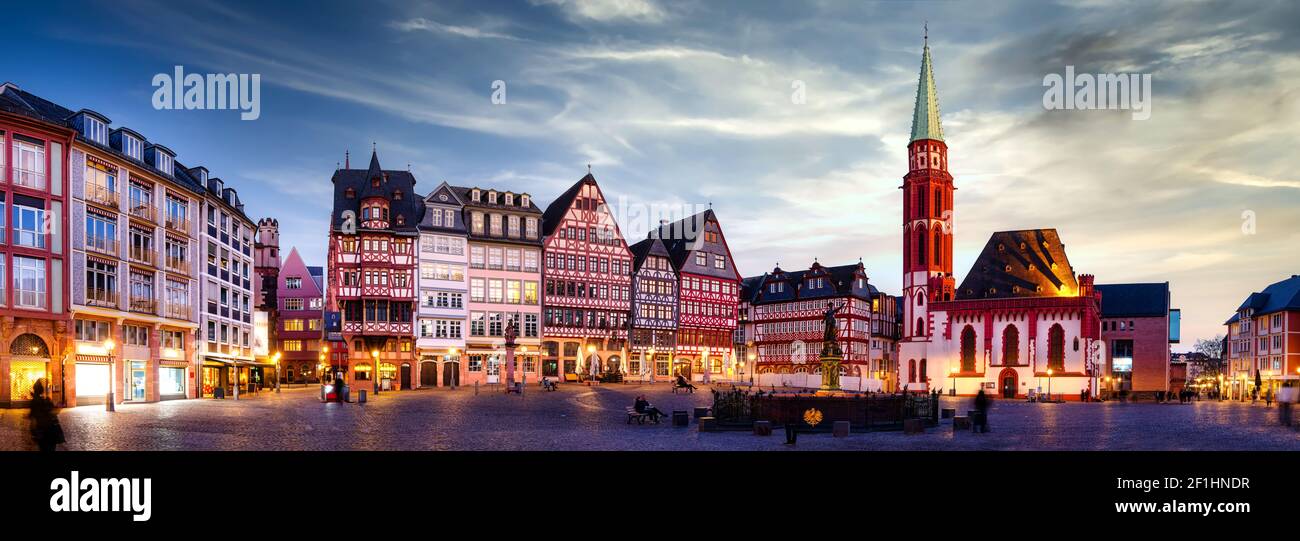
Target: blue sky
<point x="689" y="103"/>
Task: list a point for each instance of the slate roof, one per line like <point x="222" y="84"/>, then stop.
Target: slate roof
<point x="1283" y="296"/>
<point x="840" y="283"/>
<point x="556" y="210"/>
<point x="464" y="194"/>
<point x="1134" y="300"/>
<point x="1019" y="264"/>
<point x="318" y="276"/>
<point x="749" y="288"/>
<point x="645" y="248"/>
<point x="410" y="207"/>
<point x="18" y="101"/>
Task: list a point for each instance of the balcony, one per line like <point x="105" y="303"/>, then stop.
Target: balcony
<point x="177" y="264"/>
<point x="103" y="245"/>
<point x="177" y="223"/>
<point x="141" y="254"/>
<point x="102" y="195"/>
<point x="142" y="305"/>
<point x="177" y="311"/>
<point x="101" y="297"/>
<point x="142" y="210"/>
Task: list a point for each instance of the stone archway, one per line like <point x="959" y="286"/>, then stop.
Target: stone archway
<point x="29" y="361"/>
<point x="1008" y="383"/>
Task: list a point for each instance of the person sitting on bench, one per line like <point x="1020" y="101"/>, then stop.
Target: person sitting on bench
<point x="682" y="383"/>
<point x="643" y="406"/>
<point x="549" y="384"/>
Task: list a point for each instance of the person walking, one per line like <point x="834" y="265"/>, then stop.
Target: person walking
<point x="338" y="387"/>
<point x="46" y="431"/>
<point x="982" y="410"/>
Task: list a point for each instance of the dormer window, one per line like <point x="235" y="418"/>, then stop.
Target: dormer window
<point x="349" y="193"/>
<point x="476" y="195"/>
<point x="397" y="195"/>
<point x="95" y="130"/>
<point x="132" y="147"/>
<point x="492" y="198"/>
<point x="523" y="200"/>
<point x="374" y="182"/>
<point x="510" y="199"/>
<point x="166" y="163"/>
<point x="401" y="220"/>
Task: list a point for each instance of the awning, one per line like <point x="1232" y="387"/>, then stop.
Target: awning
<point x="92" y="359"/>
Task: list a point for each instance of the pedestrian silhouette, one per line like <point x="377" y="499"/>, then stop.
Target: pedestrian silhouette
<point x="45" y="428"/>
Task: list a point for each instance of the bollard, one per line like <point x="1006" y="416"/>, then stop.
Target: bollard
<point x="322" y="393"/>
<point x="476" y="388"/>
<point x="361" y="396"/>
<point x="708" y="424"/>
<point x="680" y="418"/>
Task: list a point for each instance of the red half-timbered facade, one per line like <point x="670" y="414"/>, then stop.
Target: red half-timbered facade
<point x="371" y="276"/>
<point x="708" y="297"/>
<point x="786" y="322"/>
<point x="588" y="287"/>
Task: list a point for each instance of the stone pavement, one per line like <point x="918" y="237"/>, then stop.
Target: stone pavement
<point x="578" y="417"/>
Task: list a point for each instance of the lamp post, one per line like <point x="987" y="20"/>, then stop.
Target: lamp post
<point x="650" y="361"/>
<point x="374" y="353"/>
<point x="752" y="356"/>
<point x="1049" y="384"/>
<point x="953" y="373"/>
<point x="1221" y="386"/>
<point x="453" y="352"/>
<point x="108" y="347"/>
<point x="591" y="355"/>
<point x="277" y="372"/>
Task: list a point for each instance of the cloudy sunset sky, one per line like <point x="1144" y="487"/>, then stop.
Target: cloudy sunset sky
<point x="690" y="103"/>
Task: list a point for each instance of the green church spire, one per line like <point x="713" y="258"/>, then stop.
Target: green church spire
<point x="925" y="118"/>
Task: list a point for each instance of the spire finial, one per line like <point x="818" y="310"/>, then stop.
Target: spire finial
<point x="347" y="159"/>
<point x="926" y="33"/>
<point x="373" y="147"/>
<point x="588" y="169"/>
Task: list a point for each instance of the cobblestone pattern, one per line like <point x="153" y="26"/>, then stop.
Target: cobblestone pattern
<point x="592" y="418"/>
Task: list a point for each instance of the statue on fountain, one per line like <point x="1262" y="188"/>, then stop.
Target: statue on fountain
<point x="830" y="333"/>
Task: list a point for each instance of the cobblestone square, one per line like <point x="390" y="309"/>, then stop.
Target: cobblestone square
<point x="592" y="418"/>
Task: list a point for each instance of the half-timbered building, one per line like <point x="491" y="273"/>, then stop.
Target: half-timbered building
<point x="653" y="317"/>
<point x="588" y="284"/>
<point x="708" y="295"/>
<point x="372" y="265"/>
<point x="786" y="313"/>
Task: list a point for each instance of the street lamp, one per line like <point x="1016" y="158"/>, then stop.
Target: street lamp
<point x="591" y="355"/>
<point x="1049" y="384"/>
<point x="108" y="347"/>
<point x="752" y="356"/>
<point x="277" y="371"/>
<point x="375" y="373"/>
<point x="1221" y="386"/>
<point x="953" y="373"/>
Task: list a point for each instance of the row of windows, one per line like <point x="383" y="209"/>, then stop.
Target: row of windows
<point x="503" y="291"/>
<point x="496" y="258"/>
<point x="580" y="290"/>
<point x="494" y="324"/>
<point x="496" y="221"/>
<point x="603" y="265"/>
<point x="27" y="161"/>
<point x="594" y="319"/>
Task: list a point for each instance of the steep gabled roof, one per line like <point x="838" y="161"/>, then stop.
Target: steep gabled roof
<point x="1015" y="264"/>
<point x="560" y="206"/>
<point x="642" y="250"/>
<point x="293" y="266"/>
<point x="1134" y="300"/>
<point x="410" y="207"/>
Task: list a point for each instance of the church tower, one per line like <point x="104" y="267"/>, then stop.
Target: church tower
<point x="927" y="211"/>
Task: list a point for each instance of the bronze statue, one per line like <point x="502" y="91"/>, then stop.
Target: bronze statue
<point x="831" y="333"/>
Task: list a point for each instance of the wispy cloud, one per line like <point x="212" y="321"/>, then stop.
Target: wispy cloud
<point x="647" y="11"/>
<point x="427" y="25"/>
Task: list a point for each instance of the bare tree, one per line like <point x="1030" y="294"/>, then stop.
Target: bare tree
<point x="1212" y="361"/>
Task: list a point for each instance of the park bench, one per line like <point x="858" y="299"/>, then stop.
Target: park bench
<point x="549" y="385"/>
<point x="517" y="388"/>
<point x="632" y="414"/>
<point x="689" y="388"/>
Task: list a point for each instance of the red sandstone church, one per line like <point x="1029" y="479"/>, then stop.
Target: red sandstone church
<point x="1020" y="321"/>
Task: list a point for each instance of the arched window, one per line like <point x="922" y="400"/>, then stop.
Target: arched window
<point x="938" y="247"/>
<point x="922" y="375"/>
<point x="938" y="202"/>
<point x="1056" y="348"/>
<point x="1010" y="346"/>
<point x="911" y="370"/>
<point x="925" y="207"/>
<point x="920" y="246"/>
<point x="968" y="349"/>
<point x="920" y="327"/>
